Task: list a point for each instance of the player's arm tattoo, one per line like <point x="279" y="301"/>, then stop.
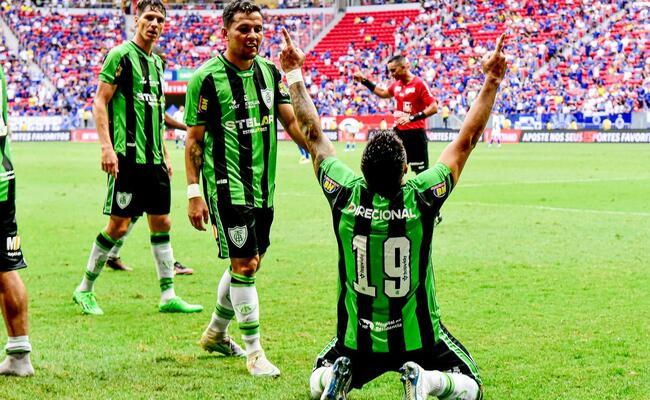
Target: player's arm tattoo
<point x="196" y="155"/>
<point x="307" y="116"/>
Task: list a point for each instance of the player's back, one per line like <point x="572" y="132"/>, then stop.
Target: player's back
<point x="386" y="288"/>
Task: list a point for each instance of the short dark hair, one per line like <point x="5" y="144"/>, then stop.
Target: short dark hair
<point x="156" y="5"/>
<point x="397" y="58"/>
<point x="238" y="6"/>
<point x="382" y="163"/>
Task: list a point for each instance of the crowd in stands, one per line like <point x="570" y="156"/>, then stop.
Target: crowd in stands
<point x="564" y="55"/>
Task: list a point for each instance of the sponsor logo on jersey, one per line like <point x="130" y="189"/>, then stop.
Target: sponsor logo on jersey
<point x="329" y="185"/>
<point x="378" y="326"/>
<point x="238" y="235"/>
<point x="149" y="98"/>
<point x="13" y="243"/>
<point x="267" y="97"/>
<point x="123" y="199"/>
<point x="381" y="215"/>
<point x="283" y="89"/>
<point x="409" y="90"/>
<point x="118" y="71"/>
<point x="203" y="104"/>
<point x="407" y="107"/>
<point x="440" y="189"/>
<point x="250" y="125"/>
<point x="222" y="181"/>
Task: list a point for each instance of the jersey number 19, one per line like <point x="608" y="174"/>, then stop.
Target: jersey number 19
<point x="396" y="266"/>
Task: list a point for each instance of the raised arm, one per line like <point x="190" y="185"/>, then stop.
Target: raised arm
<point x="319" y="146"/>
<point x="171" y="123"/>
<point x="379" y="91"/>
<point x="456" y="153"/>
<point x="105" y="92"/>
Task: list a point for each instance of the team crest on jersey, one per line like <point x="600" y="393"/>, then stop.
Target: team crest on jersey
<point x="267" y="97"/>
<point x="123" y="199"/>
<point x="329" y="185"/>
<point x="440" y="189"/>
<point x="238" y="235"/>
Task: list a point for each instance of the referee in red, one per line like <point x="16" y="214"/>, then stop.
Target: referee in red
<point x="414" y="103"/>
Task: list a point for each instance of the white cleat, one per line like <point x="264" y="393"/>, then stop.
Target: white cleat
<point x="259" y="365"/>
<point x="17" y="365"/>
<point x="213" y="340"/>
<point x="413" y="387"/>
<point x="340" y="382"/>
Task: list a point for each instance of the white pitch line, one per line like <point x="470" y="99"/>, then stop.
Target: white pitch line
<point x="547" y="208"/>
<point x="551" y="182"/>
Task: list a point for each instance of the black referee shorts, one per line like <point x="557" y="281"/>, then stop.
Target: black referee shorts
<point x="417" y="149"/>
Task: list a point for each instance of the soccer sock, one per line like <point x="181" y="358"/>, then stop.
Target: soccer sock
<point x="164" y="258"/>
<point x="98" y="255"/>
<point x="319" y="380"/>
<point x="243" y="295"/>
<point x="115" y="251"/>
<point x="223" y="312"/>
<point x="450" y="385"/>
<point x="18" y="345"/>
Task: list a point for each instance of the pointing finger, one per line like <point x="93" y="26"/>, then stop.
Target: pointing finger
<point x="287" y="37"/>
<point x="500" y="41"/>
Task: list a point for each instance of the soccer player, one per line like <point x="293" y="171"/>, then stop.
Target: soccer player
<point x="129" y="113"/>
<point x="388" y="316"/>
<point x="413" y="104"/>
<point x="13" y="296"/>
<point x="495" y="135"/>
<point x="232" y="106"/>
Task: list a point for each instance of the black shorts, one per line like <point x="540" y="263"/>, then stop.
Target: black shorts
<point x="11" y="255"/>
<point x="417" y="149"/>
<point x="138" y="189"/>
<point x="241" y="231"/>
<point x="447" y="355"/>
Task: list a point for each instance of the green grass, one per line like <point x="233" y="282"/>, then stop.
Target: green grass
<point x="541" y="265"/>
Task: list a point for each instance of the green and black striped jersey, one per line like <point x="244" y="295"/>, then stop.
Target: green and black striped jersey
<point x="239" y="109"/>
<point x="136" y="113"/>
<point x="386" y="298"/>
<point x="7" y="185"/>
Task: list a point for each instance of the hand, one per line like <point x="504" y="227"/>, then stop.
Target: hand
<point x="291" y="57"/>
<point x="197" y="211"/>
<point x="109" y="161"/>
<point x="168" y="163"/>
<point x="494" y="64"/>
<point x="358" y="76"/>
<point x="403" y="120"/>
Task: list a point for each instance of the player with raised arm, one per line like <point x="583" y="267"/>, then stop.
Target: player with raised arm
<point x="388" y="315"/>
<point x="232" y="106"/>
<point x="413" y="104"/>
<point x="129" y="110"/>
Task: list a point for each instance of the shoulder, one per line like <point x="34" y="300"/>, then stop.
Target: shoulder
<point x="118" y="52"/>
<point x="212" y="65"/>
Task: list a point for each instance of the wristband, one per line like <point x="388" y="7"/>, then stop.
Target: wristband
<point x="417" y="117"/>
<point x="193" y="190"/>
<point x="370" y="85"/>
<point x="293" y="76"/>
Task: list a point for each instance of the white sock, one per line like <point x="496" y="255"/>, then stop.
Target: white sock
<point x="98" y="255"/>
<point x="223" y="312"/>
<point x="164" y="258"/>
<point x="243" y="295"/>
<point x="450" y="385"/>
<point x="18" y="344"/>
<point x="319" y="380"/>
<point x="115" y="251"/>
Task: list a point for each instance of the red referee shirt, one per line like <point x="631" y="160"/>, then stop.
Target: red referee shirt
<point x="410" y="99"/>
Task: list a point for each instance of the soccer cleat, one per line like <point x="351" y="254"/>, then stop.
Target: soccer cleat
<point x="87" y="301"/>
<point x="259" y="365"/>
<point x="115" y="263"/>
<point x="413" y="388"/>
<point x="179" y="269"/>
<point x="340" y="382"/>
<point x="17" y="365"/>
<point x="178" y="305"/>
<point x="213" y="340"/>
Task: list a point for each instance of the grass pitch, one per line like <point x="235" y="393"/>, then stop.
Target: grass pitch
<point x="541" y="265"/>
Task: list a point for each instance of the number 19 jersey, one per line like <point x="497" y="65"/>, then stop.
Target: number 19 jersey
<point x="386" y="300"/>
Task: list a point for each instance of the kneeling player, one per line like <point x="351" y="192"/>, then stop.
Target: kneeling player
<point x="388" y="316"/>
